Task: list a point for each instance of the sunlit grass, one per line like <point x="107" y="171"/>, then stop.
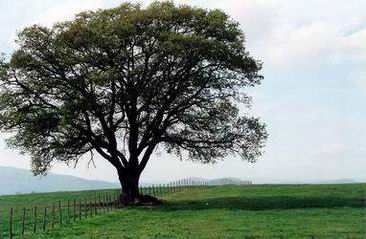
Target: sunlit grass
<point x="256" y="211"/>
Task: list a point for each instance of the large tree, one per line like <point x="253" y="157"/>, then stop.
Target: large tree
<point x="119" y="82"/>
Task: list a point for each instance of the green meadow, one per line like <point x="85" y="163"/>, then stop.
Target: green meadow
<point x="253" y="211"/>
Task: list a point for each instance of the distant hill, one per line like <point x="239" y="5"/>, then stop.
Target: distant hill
<point x="15" y="181"/>
<point x="306" y="181"/>
<point x="221" y="181"/>
<point x="338" y="181"/>
<point x="237" y="181"/>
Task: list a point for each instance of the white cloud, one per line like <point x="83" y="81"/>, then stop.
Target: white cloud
<point x="314" y="44"/>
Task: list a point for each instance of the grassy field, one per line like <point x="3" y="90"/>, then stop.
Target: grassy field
<point x="256" y="211"/>
<point x="26" y="200"/>
<point x="26" y="205"/>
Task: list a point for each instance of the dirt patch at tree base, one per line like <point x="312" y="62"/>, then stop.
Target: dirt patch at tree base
<point x="143" y="200"/>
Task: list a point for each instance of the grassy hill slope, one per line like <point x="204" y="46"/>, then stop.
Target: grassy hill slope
<point x="256" y="211"/>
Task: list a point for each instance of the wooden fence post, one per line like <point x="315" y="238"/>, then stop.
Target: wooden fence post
<point x="68" y="211"/>
<point x="79" y="209"/>
<point x="116" y="198"/>
<point x="35" y="220"/>
<point x="85" y="208"/>
<point x="113" y="198"/>
<point x="53" y="216"/>
<point x="100" y="202"/>
<point x="60" y="211"/>
<point x="109" y="202"/>
<point x="11" y="223"/>
<point x="44" y="218"/>
<point x="95" y="205"/>
<point x="106" y="202"/>
<point x="74" y="216"/>
<point x="103" y="202"/>
<point x="23" y="221"/>
<point x="90" y="206"/>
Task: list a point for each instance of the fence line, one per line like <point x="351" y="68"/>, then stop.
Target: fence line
<point x="21" y="221"/>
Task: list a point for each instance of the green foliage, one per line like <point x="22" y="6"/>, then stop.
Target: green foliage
<point x="256" y="211"/>
<point x="123" y="80"/>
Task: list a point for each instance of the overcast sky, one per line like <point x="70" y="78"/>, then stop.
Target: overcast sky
<point x="313" y="98"/>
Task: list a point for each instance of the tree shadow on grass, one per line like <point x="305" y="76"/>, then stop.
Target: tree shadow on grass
<point x="264" y="203"/>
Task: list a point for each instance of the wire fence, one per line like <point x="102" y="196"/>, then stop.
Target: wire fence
<point x="32" y="219"/>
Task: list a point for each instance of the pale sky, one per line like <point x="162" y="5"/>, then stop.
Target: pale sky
<point x="313" y="98"/>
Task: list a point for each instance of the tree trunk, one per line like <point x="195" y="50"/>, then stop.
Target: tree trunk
<point x="130" y="186"/>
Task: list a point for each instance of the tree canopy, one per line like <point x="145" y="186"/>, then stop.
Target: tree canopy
<point x="121" y="81"/>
